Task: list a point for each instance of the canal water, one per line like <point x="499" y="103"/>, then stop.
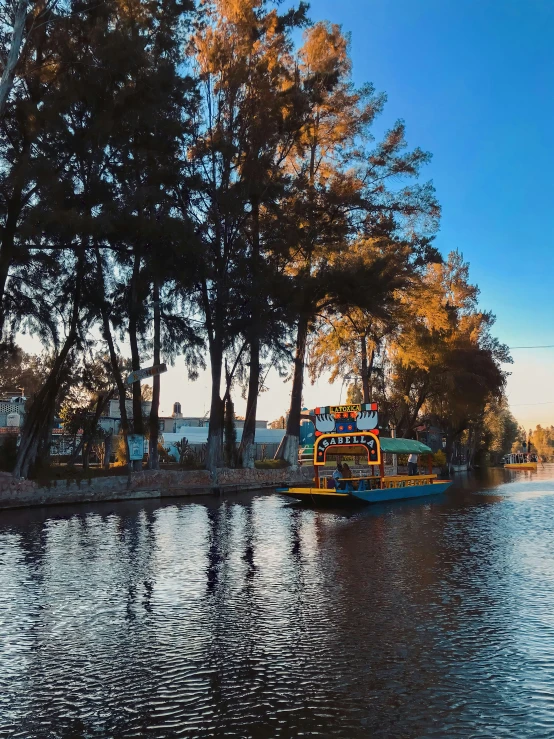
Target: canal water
<point x="252" y="617"/>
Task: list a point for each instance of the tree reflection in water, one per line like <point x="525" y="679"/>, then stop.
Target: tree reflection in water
<point x="253" y="617"/>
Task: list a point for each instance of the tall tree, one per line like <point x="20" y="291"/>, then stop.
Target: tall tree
<point x="20" y="20"/>
<point x="445" y="363"/>
<point x="113" y="124"/>
<point x="341" y="189"/>
<point x="347" y="342"/>
<point x="23" y="124"/>
<point x="239" y="53"/>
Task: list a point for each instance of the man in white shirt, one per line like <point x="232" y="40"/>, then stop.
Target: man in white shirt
<point x="412" y="464"/>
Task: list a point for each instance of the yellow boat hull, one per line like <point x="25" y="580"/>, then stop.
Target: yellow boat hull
<point x="522" y="466"/>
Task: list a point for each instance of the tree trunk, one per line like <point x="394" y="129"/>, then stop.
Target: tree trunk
<point x="230" y="432"/>
<point x="365" y="371"/>
<point x="288" y="448"/>
<point x="248" y="443"/>
<point x="107" y="333"/>
<point x="37" y="429"/>
<point x="86" y="454"/>
<point x="108" y="442"/>
<point x="153" y="455"/>
<point x="449" y="449"/>
<point x="8" y="232"/>
<point x="138" y="427"/>
<point x="101" y="404"/>
<point x="6" y="82"/>
<point x="422" y="397"/>
<point x="214" y="455"/>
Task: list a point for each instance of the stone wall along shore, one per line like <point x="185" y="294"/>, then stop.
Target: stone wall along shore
<point x="147" y="484"/>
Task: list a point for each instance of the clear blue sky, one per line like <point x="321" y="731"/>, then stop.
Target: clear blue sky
<point x="474" y="81"/>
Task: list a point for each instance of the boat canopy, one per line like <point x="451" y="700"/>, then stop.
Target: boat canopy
<point x="403" y="446"/>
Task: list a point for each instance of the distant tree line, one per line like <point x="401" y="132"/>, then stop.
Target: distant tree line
<point x="542" y="442"/>
<point x="188" y="180"/>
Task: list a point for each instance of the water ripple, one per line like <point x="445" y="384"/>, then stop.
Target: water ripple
<point x="253" y="618"/>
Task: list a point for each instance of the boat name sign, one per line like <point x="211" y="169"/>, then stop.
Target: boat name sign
<point x="353" y="408"/>
<point x="368" y="441"/>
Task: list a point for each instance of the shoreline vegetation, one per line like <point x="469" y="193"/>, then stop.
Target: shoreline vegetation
<point x="192" y="181"/>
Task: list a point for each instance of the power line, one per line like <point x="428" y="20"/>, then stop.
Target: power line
<point x="515" y="405"/>
<point x="539" y="346"/>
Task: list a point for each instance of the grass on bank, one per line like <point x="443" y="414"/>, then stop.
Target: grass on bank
<point x="271" y="464"/>
<point x="52" y="474"/>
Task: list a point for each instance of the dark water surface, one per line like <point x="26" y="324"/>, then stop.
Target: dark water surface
<point x="249" y="617"/>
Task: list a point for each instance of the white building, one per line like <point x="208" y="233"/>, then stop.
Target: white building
<point x="199" y="436"/>
<point x="111" y="419"/>
<point x="12" y="412"/>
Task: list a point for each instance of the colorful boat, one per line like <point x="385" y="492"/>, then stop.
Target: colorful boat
<point x="351" y="432"/>
<point x="521" y="462"/>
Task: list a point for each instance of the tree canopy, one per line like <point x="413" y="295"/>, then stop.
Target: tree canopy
<point x="206" y="182"/>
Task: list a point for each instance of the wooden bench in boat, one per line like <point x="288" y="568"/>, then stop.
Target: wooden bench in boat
<point x="372" y="482"/>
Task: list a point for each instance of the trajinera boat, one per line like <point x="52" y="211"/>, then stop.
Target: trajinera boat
<point x="521" y="461"/>
<point x="350" y="433"/>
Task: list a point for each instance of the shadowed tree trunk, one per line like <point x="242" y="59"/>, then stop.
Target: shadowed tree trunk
<point x="288" y="448"/>
<point x="108" y="442"/>
<point x="365" y="370"/>
<point x="214" y="325"/>
<point x="153" y="456"/>
<point x="107" y="333"/>
<point x="6" y="81"/>
<point x="37" y="430"/>
<point x="88" y="432"/>
<point x="248" y="441"/>
<point x="134" y="308"/>
<point x="214" y="455"/>
<point x="7" y="240"/>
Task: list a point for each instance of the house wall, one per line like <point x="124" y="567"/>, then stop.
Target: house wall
<point x="7" y="407"/>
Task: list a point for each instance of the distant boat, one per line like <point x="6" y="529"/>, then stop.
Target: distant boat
<point x="521" y="462"/>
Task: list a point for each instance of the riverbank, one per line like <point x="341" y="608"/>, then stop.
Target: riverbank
<point x="144" y="485"/>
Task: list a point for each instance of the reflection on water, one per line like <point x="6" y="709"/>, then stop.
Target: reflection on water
<point x="249" y="617"/>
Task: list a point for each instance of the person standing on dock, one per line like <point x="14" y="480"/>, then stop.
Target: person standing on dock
<point x="412" y="464"/>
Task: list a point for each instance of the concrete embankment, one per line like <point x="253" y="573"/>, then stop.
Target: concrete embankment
<point x="147" y="484"/>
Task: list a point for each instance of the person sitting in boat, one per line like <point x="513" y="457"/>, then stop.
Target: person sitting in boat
<point x="347" y="473"/>
<point x="412" y="464"/>
<point x="337" y="476"/>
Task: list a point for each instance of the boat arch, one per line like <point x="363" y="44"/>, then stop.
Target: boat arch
<point x="338" y="443"/>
